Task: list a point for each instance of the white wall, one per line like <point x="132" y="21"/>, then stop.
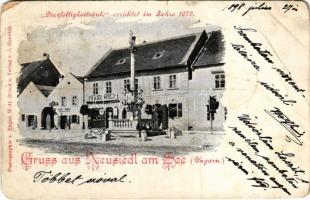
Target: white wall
<point x="68" y="88"/>
<point x="201" y="87"/>
<point x="193" y="95"/>
<point x="31" y="102"/>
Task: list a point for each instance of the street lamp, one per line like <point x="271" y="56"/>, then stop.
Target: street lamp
<point x="211" y="109"/>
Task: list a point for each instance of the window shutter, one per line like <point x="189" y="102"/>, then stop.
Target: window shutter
<point x="35" y="122"/>
<point x="180" y="110"/>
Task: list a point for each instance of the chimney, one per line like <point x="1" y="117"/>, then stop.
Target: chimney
<point x="46" y="56"/>
<point x="61" y="77"/>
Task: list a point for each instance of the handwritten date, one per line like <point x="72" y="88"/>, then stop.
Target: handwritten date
<point x="244" y="8"/>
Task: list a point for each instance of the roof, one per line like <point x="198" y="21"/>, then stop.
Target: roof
<point x="213" y="51"/>
<point x="79" y="78"/>
<point x="155" y="55"/>
<point x="45" y="89"/>
<point x="29" y="68"/>
<point x="64" y="83"/>
<point x="41" y="72"/>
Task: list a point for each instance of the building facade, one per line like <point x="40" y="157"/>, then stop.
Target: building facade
<point x="177" y="77"/>
<point x="68" y="99"/>
<point x="36" y="81"/>
<point x="30" y="103"/>
<point x="49" y="107"/>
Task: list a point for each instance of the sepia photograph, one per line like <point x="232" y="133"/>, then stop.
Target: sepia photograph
<point x="150" y="96"/>
<point x="154" y="100"/>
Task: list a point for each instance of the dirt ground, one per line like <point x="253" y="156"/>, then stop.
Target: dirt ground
<point x="73" y="143"/>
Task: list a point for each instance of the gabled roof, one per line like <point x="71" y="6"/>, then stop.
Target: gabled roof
<point x="32" y="90"/>
<point x="79" y="78"/>
<point x="45" y="89"/>
<point x="213" y="51"/>
<point x="162" y="54"/>
<point x="41" y="72"/>
<point x="69" y="80"/>
<point x="68" y="75"/>
<point x="29" y="68"/>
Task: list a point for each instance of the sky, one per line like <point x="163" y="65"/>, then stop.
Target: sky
<point x="77" y="48"/>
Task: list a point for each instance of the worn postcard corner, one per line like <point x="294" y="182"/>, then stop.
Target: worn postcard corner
<point x="114" y="99"/>
<point x="8" y="5"/>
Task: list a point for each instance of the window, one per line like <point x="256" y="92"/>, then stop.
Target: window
<point x="127" y="84"/>
<point x="121" y="61"/>
<point x="95" y="88"/>
<point x="175" y="110"/>
<point x="220" y="80"/>
<point x="136" y="84"/>
<point x="75" y="119"/>
<point x="23" y="117"/>
<point x="158" y="55"/>
<point x="74" y="100"/>
<point x="108" y="87"/>
<point x="173" y="81"/>
<point x="157" y="85"/>
<point x="30" y="120"/>
<point x="63" y="101"/>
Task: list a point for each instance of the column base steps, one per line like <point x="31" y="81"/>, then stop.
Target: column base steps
<point x="125" y="133"/>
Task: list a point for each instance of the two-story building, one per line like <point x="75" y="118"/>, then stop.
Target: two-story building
<point x="176" y="74"/>
<point x="68" y="98"/>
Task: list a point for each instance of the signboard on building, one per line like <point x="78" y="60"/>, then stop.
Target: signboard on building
<point x="95" y="97"/>
<point x="64" y="109"/>
<point x="110" y="97"/>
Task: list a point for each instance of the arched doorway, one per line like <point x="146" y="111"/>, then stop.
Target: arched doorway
<point x="47" y="118"/>
<point x="157" y="115"/>
<point x="124" y="114"/>
<point x="64" y="121"/>
<point x="95" y="120"/>
<point x="108" y="113"/>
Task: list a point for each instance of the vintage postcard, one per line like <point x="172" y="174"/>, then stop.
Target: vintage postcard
<point x="155" y="99"/>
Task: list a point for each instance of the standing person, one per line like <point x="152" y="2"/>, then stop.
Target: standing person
<point x="56" y="121"/>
